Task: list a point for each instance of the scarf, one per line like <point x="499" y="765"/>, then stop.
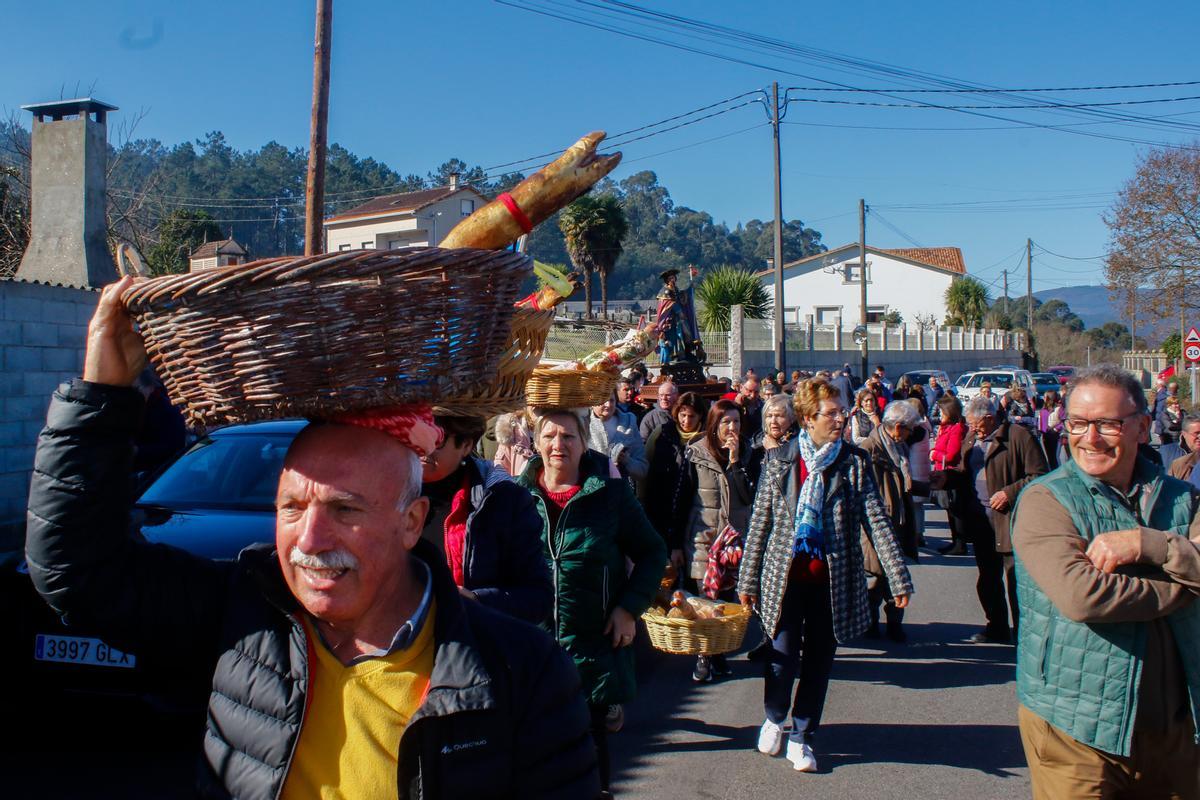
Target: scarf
<point x="810" y="534"/>
<point x="898" y="453"/>
<point x="688" y="438"/>
<point x="412" y="425"/>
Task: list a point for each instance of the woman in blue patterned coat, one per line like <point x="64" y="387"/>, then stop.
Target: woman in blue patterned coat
<point x="802" y="568"/>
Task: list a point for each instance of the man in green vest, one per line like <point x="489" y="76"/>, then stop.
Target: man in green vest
<point x="1108" y="570"/>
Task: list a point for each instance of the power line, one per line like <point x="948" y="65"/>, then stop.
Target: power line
<point x="615" y="136"/>
<point x="1072" y="258"/>
<point x="1040" y="107"/>
<point x="876" y="215"/>
<point x="728" y="35"/>
<point x="1025" y="90"/>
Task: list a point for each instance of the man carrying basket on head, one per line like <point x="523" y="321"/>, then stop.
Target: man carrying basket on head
<point x="343" y="657"/>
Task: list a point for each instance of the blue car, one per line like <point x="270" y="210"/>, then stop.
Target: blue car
<point x="215" y="499"/>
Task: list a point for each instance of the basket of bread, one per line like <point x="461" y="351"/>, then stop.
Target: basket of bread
<point x="692" y="625"/>
<point x="590" y="380"/>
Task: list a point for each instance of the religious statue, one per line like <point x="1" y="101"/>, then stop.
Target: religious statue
<point x="678" y="335"/>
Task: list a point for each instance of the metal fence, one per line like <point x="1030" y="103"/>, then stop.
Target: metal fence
<point x="568" y="342"/>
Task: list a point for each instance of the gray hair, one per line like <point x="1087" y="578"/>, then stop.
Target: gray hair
<point x="543" y="415"/>
<point x="978" y="407"/>
<point x="1190" y="418"/>
<point x="1114" y="377"/>
<point x="898" y="412"/>
<point x="779" y="401"/>
<point x="411" y="489"/>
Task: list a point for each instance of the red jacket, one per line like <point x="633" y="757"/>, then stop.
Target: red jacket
<point x="946" y="451"/>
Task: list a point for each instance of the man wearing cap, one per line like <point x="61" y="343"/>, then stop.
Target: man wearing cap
<point x="342" y="661"/>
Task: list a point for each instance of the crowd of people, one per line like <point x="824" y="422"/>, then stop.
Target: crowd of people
<point x="450" y="604"/>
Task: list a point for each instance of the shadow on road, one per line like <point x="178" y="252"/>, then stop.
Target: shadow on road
<point x="992" y="749"/>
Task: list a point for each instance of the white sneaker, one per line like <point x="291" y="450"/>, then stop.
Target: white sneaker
<point x="801" y="756"/>
<point x="770" y="738"/>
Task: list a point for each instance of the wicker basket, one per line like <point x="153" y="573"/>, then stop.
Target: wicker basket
<point x="577" y="388"/>
<point x="322" y="334"/>
<point x="698" y="636"/>
<point x="506" y="392"/>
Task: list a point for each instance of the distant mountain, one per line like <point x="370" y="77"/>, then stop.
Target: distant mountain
<point x="1095" y="307"/>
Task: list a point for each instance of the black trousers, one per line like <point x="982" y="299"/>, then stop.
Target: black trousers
<point x="600" y="735"/>
<point x="975" y="527"/>
<point x="804" y="646"/>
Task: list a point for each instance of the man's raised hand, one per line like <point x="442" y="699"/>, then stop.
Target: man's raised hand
<point x="115" y="353"/>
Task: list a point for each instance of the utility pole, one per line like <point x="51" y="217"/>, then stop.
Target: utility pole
<point x="1182" y="303"/>
<point x="314" y="187"/>
<point x="1029" y="286"/>
<point x="780" y="336"/>
<point x="1006" y="309"/>
<point x="862" y="282"/>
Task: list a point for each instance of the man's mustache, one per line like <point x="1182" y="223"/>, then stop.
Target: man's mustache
<point x="330" y="559"/>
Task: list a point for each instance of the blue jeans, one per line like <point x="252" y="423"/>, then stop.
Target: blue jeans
<point x="804" y="644"/>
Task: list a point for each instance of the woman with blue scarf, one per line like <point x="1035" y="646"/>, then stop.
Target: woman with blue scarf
<point x="802" y="568"/>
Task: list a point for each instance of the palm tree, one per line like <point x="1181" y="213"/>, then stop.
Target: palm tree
<point x="725" y="287"/>
<point x="966" y="302"/>
<point x="593" y="228"/>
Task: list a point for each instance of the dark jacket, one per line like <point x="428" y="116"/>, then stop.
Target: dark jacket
<point x="896" y="494"/>
<point x="601" y="526"/>
<point x="654" y="419"/>
<point x="502" y="554"/>
<point x="669" y="486"/>
<point x="1014" y="459"/>
<point x="503" y="715"/>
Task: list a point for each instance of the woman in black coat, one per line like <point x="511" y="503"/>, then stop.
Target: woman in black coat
<point x="669" y="486"/>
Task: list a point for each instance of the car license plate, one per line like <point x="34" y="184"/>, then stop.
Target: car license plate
<point x="80" y="650"/>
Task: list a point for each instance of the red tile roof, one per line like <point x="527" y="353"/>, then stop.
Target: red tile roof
<point x="945" y="258"/>
<point x="949" y="258"/>
<point x="405" y="201"/>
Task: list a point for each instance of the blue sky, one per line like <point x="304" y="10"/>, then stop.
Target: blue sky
<point x="415" y="84"/>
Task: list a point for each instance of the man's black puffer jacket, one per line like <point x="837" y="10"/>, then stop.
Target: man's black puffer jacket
<point x="504" y="715"/>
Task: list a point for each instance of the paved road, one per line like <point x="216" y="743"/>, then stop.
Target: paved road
<point x="935" y="718"/>
<point x="932" y="719"/>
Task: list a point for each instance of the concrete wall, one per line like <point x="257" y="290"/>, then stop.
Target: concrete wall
<point x="42" y="335"/>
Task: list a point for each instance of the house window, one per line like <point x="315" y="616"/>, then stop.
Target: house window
<point x="395" y="244"/>
<point x="850" y="272"/>
<point x="874" y="313"/>
<point x="467" y="207"/>
<point x="343" y="247"/>
<point x="828" y="315"/>
<point x="368" y="245"/>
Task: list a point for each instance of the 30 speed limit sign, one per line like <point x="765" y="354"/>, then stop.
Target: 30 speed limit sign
<point x="1191" y="345"/>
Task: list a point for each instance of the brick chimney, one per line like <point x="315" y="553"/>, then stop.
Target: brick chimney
<point x="68" y="241"/>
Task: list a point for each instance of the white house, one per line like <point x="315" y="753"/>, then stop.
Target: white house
<point x="411" y="219"/>
<point x="217" y="254"/>
<point x="912" y="281"/>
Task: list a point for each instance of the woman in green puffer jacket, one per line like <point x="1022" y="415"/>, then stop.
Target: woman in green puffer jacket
<point x="592" y="524"/>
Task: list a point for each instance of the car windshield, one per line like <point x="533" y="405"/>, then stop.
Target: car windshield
<point x="239" y="472"/>
<point x="999" y="380"/>
<point x="918" y="378"/>
<point x="962" y="380"/>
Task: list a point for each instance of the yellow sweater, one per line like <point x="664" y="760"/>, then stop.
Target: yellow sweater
<point x="350" y="741"/>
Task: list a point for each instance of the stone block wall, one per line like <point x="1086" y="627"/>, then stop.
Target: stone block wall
<point x="42" y="334"/>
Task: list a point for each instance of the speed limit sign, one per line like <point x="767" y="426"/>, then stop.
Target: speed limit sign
<point x="1191" y="346"/>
